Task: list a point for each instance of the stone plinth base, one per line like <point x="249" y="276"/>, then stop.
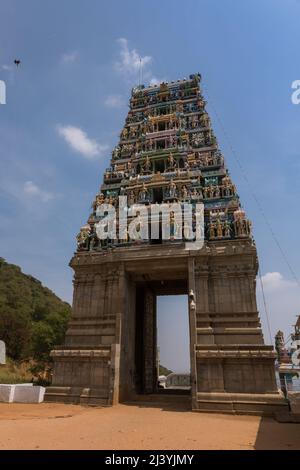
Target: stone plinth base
<point x="77" y="396"/>
<point x="74" y="370"/>
<point x="241" y="403"/>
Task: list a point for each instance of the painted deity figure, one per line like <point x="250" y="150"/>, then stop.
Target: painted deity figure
<point x="211" y="231"/>
<point x="186" y="165"/>
<point x="98" y="201"/>
<point x="197" y="139"/>
<point x="239" y="226"/>
<point x="143" y="195"/>
<point x="184" y="192"/>
<point x="147" y="164"/>
<point x="226" y="191"/>
<point x="117" y="151"/>
<point x="183" y="123"/>
<point x="124" y="133"/>
<point x="171" y="161"/>
<point x="131" y="198"/>
<point x="219" y="229"/>
<point x="242" y="226"/>
<point x="227" y="229"/>
<point x="172" y="140"/>
<point x="83" y="237"/>
<point x="172" y="189"/>
<point x="129" y="168"/>
<point x="204" y="119"/>
<point x="210" y="191"/>
<point x="195" y="193"/>
<point x="93" y="239"/>
<point x="133" y="131"/>
<point x="217" y="191"/>
<point x="138" y="228"/>
<point x="173" y="226"/>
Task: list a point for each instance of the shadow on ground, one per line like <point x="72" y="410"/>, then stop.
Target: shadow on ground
<point x="272" y="435"/>
<point x="179" y="407"/>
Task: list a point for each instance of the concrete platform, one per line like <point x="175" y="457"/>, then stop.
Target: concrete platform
<point x="27" y="394"/>
<point x="7" y="391"/>
<point x="21" y="393"/>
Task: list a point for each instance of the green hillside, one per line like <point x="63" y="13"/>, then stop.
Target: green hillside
<point x="32" y="318"/>
<point x="163" y="370"/>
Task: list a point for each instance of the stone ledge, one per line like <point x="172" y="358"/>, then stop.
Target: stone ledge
<point x="80" y="353"/>
<point x="250" y="354"/>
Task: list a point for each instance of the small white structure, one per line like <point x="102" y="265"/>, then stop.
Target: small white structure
<point x="2" y="352"/>
<point x="6" y="393"/>
<point x="162" y="381"/>
<point x="175" y="380"/>
<point x="21" y="393"/>
<point x="29" y="394"/>
<point x="2" y="92"/>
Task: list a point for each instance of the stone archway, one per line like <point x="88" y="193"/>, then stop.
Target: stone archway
<point x="232" y="370"/>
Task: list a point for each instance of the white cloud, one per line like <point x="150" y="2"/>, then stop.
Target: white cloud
<point x="79" y="141"/>
<point x="283" y="303"/>
<point x="156" y="81"/>
<point x="7" y="67"/>
<point x="130" y="60"/>
<point x="33" y="190"/>
<point x="131" y="63"/>
<point x="271" y="280"/>
<point x="114" y="101"/>
<point x="69" y="57"/>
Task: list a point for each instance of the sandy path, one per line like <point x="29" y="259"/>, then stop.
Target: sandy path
<point x="56" y="426"/>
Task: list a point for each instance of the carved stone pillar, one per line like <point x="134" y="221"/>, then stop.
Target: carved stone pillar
<point x="149" y="333"/>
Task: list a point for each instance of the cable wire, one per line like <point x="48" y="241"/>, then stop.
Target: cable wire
<point x="265" y="305"/>
<point x="261" y="210"/>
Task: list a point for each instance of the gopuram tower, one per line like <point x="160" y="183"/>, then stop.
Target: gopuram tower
<point x="167" y="153"/>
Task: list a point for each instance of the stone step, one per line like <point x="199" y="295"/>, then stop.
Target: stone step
<point x="161" y="398"/>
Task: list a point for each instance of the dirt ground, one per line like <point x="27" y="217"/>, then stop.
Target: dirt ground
<point x="138" y="426"/>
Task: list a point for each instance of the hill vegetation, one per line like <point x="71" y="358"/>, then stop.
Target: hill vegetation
<point x="163" y="370"/>
<point x="32" y="318"/>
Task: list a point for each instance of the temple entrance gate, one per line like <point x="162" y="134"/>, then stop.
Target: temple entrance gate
<point x="109" y="353"/>
<point x="167" y="154"/>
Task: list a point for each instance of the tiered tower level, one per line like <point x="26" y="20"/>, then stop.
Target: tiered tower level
<point x="167" y="153"/>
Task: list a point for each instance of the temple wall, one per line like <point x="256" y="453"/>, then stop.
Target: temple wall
<point x="231" y="357"/>
<point x="88" y="362"/>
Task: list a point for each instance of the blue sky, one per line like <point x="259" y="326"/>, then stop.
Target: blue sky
<point x="67" y="102"/>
